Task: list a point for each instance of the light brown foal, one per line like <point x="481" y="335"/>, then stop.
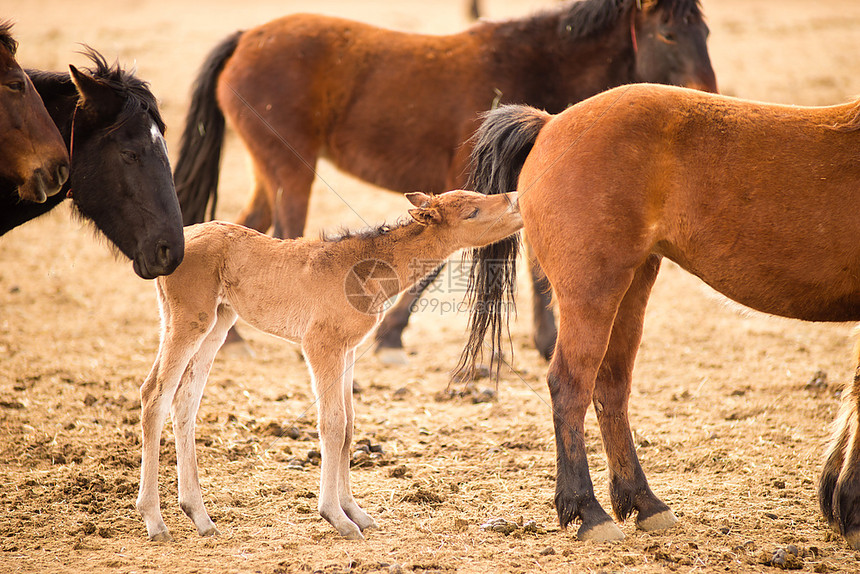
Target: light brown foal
<point x="326" y="295"/>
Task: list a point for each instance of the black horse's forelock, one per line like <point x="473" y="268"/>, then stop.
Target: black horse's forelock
<point x="138" y="96"/>
<point x="588" y="18"/>
<point x="6" y="39"/>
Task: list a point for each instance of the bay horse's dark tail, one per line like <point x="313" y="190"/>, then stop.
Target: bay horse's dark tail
<point x="197" y="169"/>
<point x="502" y="144"/>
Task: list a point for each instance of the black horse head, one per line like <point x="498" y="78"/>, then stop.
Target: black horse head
<point x="120" y="175"/>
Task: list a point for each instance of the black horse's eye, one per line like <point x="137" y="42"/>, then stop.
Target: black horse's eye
<point x="128" y="156"/>
<point x="668" y="37"/>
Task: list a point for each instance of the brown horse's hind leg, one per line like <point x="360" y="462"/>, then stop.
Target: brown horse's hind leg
<point x="840" y="499"/>
<point x="628" y="487"/>
<point x="586" y="314"/>
<point x="258" y="213"/>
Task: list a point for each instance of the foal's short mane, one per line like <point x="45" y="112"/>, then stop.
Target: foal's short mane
<point x="366" y="233"/>
<point x="134" y="91"/>
<point x="6" y="39"/>
<point x="592" y="17"/>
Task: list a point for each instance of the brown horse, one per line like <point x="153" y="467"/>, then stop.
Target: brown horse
<point x="327" y="295"/>
<point x="33" y="157"/>
<point x="397" y="109"/>
<point x="758" y="200"/>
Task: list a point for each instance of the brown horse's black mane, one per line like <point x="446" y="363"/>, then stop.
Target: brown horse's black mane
<point x="6" y="39"/>
<point x="588" y="18"/>
<point x="135" y="92"/>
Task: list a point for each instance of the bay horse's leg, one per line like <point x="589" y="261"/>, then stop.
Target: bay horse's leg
<point x="543" y="319"/>
<point x="586" y="314"/>
<point x="156" y="395"/>
<point x="628" y="486"/>
<point x="347" y="501"/>
<point x="186" y="403"/>
<point x="327" y="362"/>
<point x="389" y="334"/>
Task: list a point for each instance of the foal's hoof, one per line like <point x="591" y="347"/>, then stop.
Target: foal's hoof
<point x="659" y="521"/>
<point x="163" y="536"/>
<point x="352" y="534"/>
<point x="392" y="357"/>
<point x="603" y="532"/>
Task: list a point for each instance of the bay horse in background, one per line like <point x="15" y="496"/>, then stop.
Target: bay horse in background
<point x="327" y="295"/>
<point x="120" y="175"/>
<point x="398" y="109"/>
<point x="758" y="200"/>
<point x="34" y="162"/>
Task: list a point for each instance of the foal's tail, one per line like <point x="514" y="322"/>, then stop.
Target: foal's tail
<point x="502" y="144"/>
<point x="196" y="173"/>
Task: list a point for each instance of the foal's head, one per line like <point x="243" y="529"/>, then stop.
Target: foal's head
<point x="121" y="177"/>
<point x="469" y="219"/>
<point x="33" y="157"/>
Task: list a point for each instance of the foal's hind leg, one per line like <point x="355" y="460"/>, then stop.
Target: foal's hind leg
<point x="186" y="403"/>
<point x="628" y="487"/>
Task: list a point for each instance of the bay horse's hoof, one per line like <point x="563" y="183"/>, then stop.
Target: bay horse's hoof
<point x="659" y="521"/>
<point x="604" y="532"/>
<point x="853" y="539"/>
<point x="163" y="536"/>
<point x="392" y="357"/>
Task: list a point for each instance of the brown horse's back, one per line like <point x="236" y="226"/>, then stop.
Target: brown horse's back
<point x="758" y="200"/>
<point x="345" y="72"/>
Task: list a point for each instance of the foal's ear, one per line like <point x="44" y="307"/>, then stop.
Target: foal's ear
<point x="426" y="215"/>
<point x="418" y="199"/>
<point x="95" y="95"/>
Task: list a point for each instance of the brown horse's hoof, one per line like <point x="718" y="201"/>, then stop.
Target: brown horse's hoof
<point x="604" y="532"/>
<point x="659" y="521"/>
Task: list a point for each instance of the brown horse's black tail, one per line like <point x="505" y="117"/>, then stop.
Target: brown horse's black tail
<point x="502" y="144"/>
<point x="196" y="173"/>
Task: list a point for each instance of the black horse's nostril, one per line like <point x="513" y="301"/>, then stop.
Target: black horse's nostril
<point x="62" y="173"/>
<point x="162" y="254"/>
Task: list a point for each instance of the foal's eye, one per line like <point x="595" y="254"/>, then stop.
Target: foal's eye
<point x="128" y="156"/>
<point x="473" y="215"/>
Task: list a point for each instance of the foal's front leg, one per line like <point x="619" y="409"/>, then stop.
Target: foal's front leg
<point x="327" y="362"/>
<point x="347" y="501"/>
<point x="186" y="403"/>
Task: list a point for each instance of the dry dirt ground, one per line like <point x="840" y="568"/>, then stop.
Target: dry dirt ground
<point x="730" y="410"/>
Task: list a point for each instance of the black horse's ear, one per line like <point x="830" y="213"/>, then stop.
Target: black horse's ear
<point x="96" y="95"/>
